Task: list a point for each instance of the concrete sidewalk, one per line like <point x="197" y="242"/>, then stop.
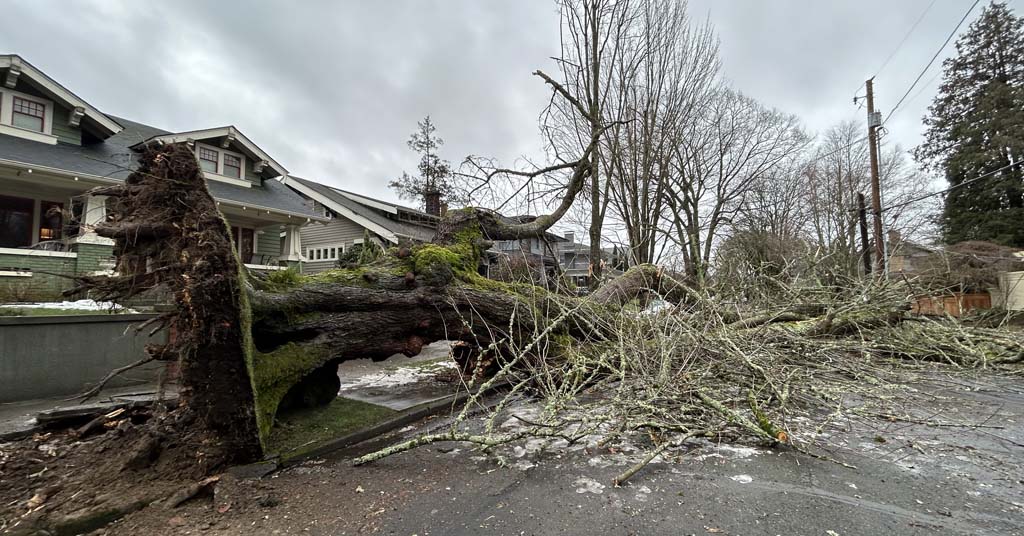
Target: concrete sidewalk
<point x="18" y="419"/>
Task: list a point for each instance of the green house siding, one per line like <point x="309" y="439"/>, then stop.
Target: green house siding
<point x="93" y="258"/>
<point x="46" y="281"/>
<point x="65" y="133"/>
<point x="250" y="173"/>
<point x="268" y="242"/>
<point x="41" y="285"/>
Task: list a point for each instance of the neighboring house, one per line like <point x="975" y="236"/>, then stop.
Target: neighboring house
<point x="574" y="259"/>
<point x="539" y="254"/>
<point x="907" y="257"/>
<point x="55" y="147"/>
<point x="557" y="254"/>
<point x="349" y="218"/>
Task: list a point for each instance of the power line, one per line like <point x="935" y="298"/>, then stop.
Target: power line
<point x="905" y="37"/>
<point x="897" y="49"/>
<point x="934" y="57"/>
<point x="924" y="87"/>
<point x="950" y="189"/>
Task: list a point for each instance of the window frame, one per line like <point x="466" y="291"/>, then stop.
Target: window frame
<point x="44" y="207"/>
<point x="219" y="173"/>
<point x="325" y="252"/>
<point x="7" y="126"/>
<point x="200" y="149"/>
<point x="30" y="101"/>
<point x="225" y="166"/>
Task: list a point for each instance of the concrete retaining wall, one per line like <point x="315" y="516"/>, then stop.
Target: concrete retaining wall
<point x="51" y="356"/>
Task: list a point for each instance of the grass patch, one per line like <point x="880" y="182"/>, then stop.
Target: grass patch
<point x="303" y="430"/>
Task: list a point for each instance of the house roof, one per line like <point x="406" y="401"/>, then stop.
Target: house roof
<point x="368" y="212"/>
<point x="248" y="147"/>
<point x="114" y="159"/>
<point x="17" y="67"/>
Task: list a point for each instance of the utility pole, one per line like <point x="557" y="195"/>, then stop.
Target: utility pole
<point x="862" y="218"/>
<point x="875" y="121"/>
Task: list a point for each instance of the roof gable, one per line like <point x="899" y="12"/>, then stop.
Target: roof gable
<point x="19" y="69"/>
<point x="229" y="135"/>
<point x="369" y="213"/>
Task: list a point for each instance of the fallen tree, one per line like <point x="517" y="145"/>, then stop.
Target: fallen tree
<point x="246" y="346"/>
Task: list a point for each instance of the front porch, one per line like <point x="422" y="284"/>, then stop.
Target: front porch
<point x="46" y="233"/>
<point x="43" y="233"/>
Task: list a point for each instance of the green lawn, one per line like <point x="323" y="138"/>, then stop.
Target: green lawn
<point x="303" y="430"/>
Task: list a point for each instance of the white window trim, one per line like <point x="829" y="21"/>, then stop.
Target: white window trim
<point x="7" y="117"/>
<point x="339" y="250"/>
<point x="219" y="175"/>
<point x="15" y="273"/>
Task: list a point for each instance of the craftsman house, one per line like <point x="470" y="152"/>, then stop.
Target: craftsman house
<point x="55" y="147"/>
<point x="348" y="218"/>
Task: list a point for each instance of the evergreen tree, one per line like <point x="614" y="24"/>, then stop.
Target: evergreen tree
<point x="976" y="126"/>
<point x="435" y="175"/>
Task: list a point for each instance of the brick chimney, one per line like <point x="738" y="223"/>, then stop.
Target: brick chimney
<point x="570" y="236"/>
<point x="432" y="200"/>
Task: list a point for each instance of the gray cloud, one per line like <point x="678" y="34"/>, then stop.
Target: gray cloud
<point x="333" y="89"/>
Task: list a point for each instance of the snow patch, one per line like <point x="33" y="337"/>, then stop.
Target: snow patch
<point x="588" y="485"/>
<point x="742" y="479"/>
<point x="78" y="305"/>
<point x="394" y="377"/>
<point x="730" y="451"/>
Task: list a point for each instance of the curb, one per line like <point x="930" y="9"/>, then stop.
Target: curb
<point x="405" y="417"/>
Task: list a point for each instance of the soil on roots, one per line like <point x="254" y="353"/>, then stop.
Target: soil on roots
<point x="63" y="484"/>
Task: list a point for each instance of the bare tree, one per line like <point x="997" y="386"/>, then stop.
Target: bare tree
<point x="718" y="160"/>
<point x="596" y="45"/>
<point x="836" y="173"/>
<point x="675" y="74"/>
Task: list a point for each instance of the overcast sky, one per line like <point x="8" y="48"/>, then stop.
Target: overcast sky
<point x="333" y="89"/>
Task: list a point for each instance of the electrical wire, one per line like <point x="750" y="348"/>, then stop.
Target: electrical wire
<point x="905" y="37"/>
<point x="950" y="189"/>
<point x="932" y="61"/>
<point x="897" y="49"/>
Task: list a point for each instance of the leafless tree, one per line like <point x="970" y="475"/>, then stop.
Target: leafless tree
<point x="676" y="73"/>
<point x="735" y="143"/>
<point x="598" y="45"/>
<point x="836" y="172"/>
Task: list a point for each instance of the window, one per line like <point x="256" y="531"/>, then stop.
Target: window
<point x="325" y="253"/>
<point x="208" y="159"/>
<point x="232" y="166"/>
<point x="73" y="227"/>
<point x="29" y="115"/>
<point x="51" y="220"/>
<point x="220" y="162"/>
<point x="15" y="222"/>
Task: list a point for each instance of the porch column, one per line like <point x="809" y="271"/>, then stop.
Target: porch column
<point x="291" y="251"/>
<point x="93" y="213"/>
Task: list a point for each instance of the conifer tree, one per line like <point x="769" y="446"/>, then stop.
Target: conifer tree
<point x="435" y="177"/>
<point x="976" y="126"/>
